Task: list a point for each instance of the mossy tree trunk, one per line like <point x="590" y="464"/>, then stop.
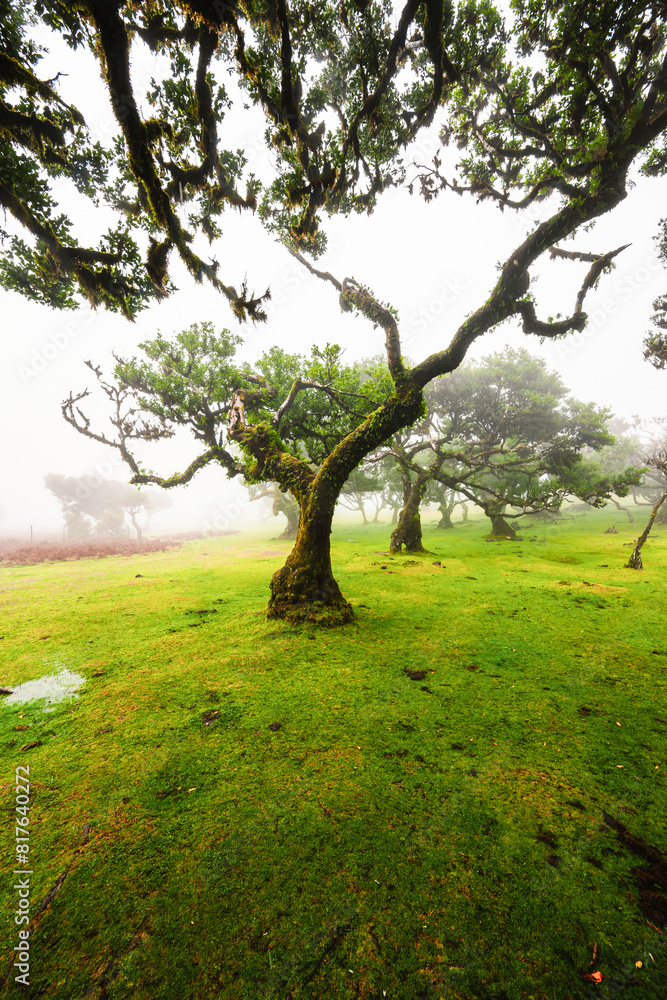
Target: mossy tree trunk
<point x="285" y="504"/>
<point x="499" y="526"/>
<point x="445" y="517"/>
<point x="304" y="589"/>
<point x="635" y="560"/>
<point x="408" y="531"/>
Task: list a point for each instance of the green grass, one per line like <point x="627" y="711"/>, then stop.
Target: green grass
<point x="443" y="837"/>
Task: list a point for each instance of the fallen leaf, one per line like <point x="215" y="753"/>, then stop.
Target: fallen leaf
<point x="594" y="977"/>
<point x="653" y="927"/>
<point x="638" y="965"/>
<point x="29" y="746"/>
<point x="192" y="789"/>
<point x="620" y="765"/>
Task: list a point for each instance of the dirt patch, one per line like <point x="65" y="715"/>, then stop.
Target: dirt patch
<point x="651" y="878"/>
<point x="589" y="588"/>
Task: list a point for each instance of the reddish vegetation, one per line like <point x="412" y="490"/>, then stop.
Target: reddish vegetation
<point x="13" y="554"/>
<point x="28" y="555"/>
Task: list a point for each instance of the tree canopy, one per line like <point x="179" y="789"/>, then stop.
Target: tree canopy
<point x="92" y="502"/>
<point x="329" y="78"/>
<point x="504" y="431"/>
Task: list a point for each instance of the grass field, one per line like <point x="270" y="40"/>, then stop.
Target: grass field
<point x="235" y="808"/>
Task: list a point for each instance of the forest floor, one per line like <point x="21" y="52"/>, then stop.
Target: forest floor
<point x="463" y="795"/>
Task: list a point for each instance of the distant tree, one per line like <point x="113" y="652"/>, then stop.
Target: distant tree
<point x="447" y="500"/>
<point x="158" y="501"/>
<point x="657" y="461"/>
<point x="143" y="503"/>
<point x="614" y="458"/>
<point x="282" y="503"/>
<point x="362" y="487"/>
<point x="504" y="432"/>
<point x="654" y="485"/>
<point x="91" y="503"/>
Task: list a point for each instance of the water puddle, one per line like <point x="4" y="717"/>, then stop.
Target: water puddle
<point x="52" y="688"/>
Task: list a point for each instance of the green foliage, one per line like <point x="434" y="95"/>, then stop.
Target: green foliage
<point x="512" y="427"/>
<point x="187" y="380"/>
<point x="191" y="379"/>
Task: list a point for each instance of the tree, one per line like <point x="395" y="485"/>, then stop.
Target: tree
<point x="564" y="135"/>
<point x="169" y="174"/>
<point x="654" y="484"/>
<point x="504" y="432"/>
<point x="363" y="485"/>
<point x="283" y="503"/>
<point x="143" y="502"/>
<point x="613" y="458"/>
<point x="447" y="500"/>
<point x="194" y="382"/>
<point x="93" y="503"/>
<point x="657" y="461"/>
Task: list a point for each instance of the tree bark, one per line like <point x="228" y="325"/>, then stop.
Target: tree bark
<point x="304" y="589"/>
<point x="499" y="526"/>
<point x="408" y="531"/>
<point x="627" y="510"/>
<point x="445" y="516"/>
<point x="635" y="560"/>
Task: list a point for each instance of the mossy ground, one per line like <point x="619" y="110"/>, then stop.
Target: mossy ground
<point x="436" y="837"/>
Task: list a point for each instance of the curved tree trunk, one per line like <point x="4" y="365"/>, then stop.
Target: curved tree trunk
<point x="635" y="560"/>
<point x="304" y="589"/>
<point x="408" y="531"/>
<point x="290" y="509"/>
<point x="445" y="516"/>
<point x="626" y="509"/>
<point x="464" y="512"/>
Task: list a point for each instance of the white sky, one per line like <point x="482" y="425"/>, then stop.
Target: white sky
<point x="435" y="263"/>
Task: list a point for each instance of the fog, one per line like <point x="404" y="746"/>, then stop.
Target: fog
<point x="434" y="263"/>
